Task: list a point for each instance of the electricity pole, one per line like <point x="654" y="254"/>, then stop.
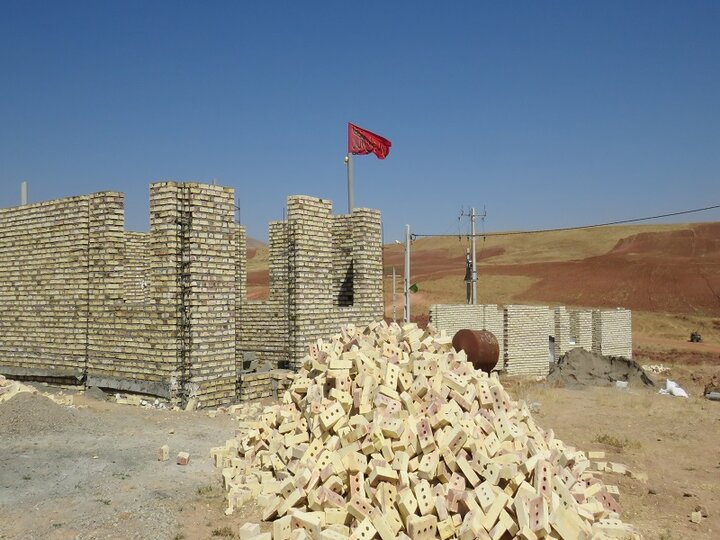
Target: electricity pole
<point x="393" y="276"/>
<point x="473" y="258"/>
<point x="407" y="274"/>
<point x="473" y="277"/>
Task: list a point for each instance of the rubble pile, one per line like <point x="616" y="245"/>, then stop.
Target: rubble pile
<point x="579" y="367"/>
<point x="656" y="368"/>
<point x="9" y="389"/>
<point x="388" y="433"/>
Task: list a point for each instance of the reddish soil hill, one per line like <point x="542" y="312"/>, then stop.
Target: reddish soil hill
<point x="258" y="275"/>
<point x="673" y="271"/>
<point x="651" y="269"/>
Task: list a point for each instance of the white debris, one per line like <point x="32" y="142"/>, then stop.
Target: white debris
<point x="672" y="388"/>
<point x="656" y="368"/>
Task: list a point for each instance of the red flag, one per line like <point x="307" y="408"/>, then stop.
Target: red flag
<point x="362" y="141"/>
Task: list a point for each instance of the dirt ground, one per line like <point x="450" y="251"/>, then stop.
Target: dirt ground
<point x="674" y="441"/>
<point x="92" y="472"/>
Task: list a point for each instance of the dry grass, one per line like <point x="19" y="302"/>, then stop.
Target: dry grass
<point x="224" y="532"/>
<point x="438" y="286"/>
<point x="618" y="443"/>
<point x="676" y="326"/>
<point x="260" y="260"/>
<point x="451" y="290"/>
<point x="206" y="490"/>
<point x="542" y="247"/>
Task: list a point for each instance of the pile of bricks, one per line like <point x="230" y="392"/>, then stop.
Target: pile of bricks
<point x="387" y="433"/>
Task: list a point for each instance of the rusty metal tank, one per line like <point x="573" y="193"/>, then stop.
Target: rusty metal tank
<point x="480" y="346"/>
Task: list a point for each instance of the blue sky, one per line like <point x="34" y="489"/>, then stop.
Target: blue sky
<point x="549" y="114"/>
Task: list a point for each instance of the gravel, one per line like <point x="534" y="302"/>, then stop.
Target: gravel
<point x="92" y="471"/>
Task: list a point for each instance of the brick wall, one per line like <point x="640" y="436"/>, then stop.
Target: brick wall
<point x="314" y="288"/>
<point x="179" y="341"/>
<point x="263" y="384"/>
<point x="44" y="287"/>
<point x="526" y="340"/>
<point x="612" y="332"/>
<point x="263" y="330"/>
<point x="166" y="312"/>
<point x="581" y="328"/>
<point x="122" y="334"/>
<point x="454" y="317"/>
<point x="325" y="271"/>
<point x="210" y="255"/>
<point x="562" y="334"/>
<point x="523" y="331"/>
<point x="79" y="296"/>
<point x="136" y="266"/>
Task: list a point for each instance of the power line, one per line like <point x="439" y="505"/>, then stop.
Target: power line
<point x="594" y="225"/>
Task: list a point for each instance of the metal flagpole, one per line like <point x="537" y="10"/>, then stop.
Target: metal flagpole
<point x="348" y="162"/>
<point x="393" y="296"/>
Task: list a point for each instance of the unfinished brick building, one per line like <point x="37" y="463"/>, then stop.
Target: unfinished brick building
<point x="165" y="312"/>
<point x="530" y="337"/>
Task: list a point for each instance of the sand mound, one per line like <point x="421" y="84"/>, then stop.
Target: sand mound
<point x="386" y="432"/>
<point x="580" y="367"/>
<point x="29" y="414"/>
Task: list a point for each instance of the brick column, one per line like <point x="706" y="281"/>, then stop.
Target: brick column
<point x="367" y="263"/>
<point x="211" y="254"/>
<point x="310" y="257"/>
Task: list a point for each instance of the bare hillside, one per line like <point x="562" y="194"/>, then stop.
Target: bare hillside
<point x="668" y="274"/>
<point x="667" y="268"/>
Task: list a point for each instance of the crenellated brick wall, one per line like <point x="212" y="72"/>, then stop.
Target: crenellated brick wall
<point x="166" y="312"/>
<point x="325" y="270"/>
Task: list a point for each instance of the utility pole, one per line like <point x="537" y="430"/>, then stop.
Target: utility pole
<point x="473" y="276"/>
<point x="23" y="193"/>
<point x="394" y="276"/>
<point x="472" y="297"/>
<point x="406" y="314"/>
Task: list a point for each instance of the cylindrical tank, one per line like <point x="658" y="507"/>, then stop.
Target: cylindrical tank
<point x="480" y="346"/>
